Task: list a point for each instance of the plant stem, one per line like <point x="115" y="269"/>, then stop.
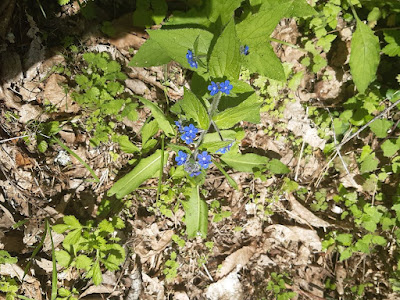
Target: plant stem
<point x="162" y="167"/>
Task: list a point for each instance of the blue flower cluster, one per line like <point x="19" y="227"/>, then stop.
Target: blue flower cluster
<point x="188" y="132"/>
<point x="244" y="50"/>
<point x="193" y="167"/>
<point x="224" y="149"/>
<point x="224" y="87"/>
<point x="191" y="59"/>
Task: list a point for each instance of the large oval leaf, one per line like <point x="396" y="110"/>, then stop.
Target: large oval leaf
<point x="364" y="56"/>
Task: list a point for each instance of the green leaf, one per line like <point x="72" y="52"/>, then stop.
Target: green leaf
<point x="106" y="226"/>
<point x="146" y="169"/>
<point x="176" y="42"/>
<point x="60" y="228"/>
<point x="369" y="225"/>
<point x="346" y="253"/>
<point x="263" y="60"/>
<point x="196" y="215"/>
<point x="370" y="163"/>
<point x="83" y="262"/>
<point x="97" y="277"/>
<point x="379" y="240"/>
<point x="245" y="162"/>
<point x="63" y="258"/>
<point x="231" y="181"/>
<point x="72" y="239"/>
<point x="159" y="8"/>
<point x="225" y="56"/>
<point x="148" y="130"/>
<point x="345" y="239"/>
<point x="257" y="28"/>
<point x="194" y="109"/>
<point x="72" y="221"/>
<point x="296" y="8"/>
<point x="223" y="9"/>
<point x="392" y="37"/>
<point x="6" y="258"/>
<point x="389" y="148"/>
<point x="42" y="146"/>
<point x="157" y="113"/>
<point x="380" y="127"/>
<point x="63" y="292"/>
<point x="277" y="167"/>
<point x="364" y="56"/>
<point x="248" y="110"/>
<point x="150" y="54"/>
<point x="126" y="145"/>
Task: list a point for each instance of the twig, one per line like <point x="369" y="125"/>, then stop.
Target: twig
<point x="298" y="163"/>
<point x="368" y="123"/>
<point x="208" y="273"/>
<point x="14" y="138"/>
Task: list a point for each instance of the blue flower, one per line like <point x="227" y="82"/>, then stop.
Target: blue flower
<point x="244" y="50"/>
<point x="193" y="64"/>
<point x="225" y="87"/>
<point x="213" y="88"/>
<point x="204" y="159"/>
<point x="191" y="130"/>
<point x="193" y="168"/>
<point x="224" y="149"/>
<point x="188" y="139"/>
<point x="181" y="158"/>
<point x="179" y="125"/>
<point x="191" y="59"/>
<point x="189" y="55"/>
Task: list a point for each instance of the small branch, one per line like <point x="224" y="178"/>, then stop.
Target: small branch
<point x="366" y="125"/>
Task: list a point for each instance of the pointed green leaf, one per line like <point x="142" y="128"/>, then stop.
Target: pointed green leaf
<point x="72" y="239"/>
<point x="392" y="37"/>
<point x="231" y="181"/>
<point x="194" y="109"/>
<point x="245" y="162"/>
<point x="196" y="215"/>
<point x="97" y="277"/>
<point x="296" y="8"/>
<point x="126" y="145"/>
<point x="150" y="54"/>
<point x="176" y="42"/>
<point x="223" y="9"/>
<point x="277" y="167"/>
<point x="157" y="113"/>
<point x="248" y="110"/>
<point x="72" y="221"/>
<point x="257" y="28"/>
<point x="364" y="56"/>
<point x="225" y="56"/>
<point x="263" y="60"/>
<point x="146" y="169"/>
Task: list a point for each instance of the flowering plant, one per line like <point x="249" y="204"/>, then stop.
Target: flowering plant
<point x="215" y="47"/>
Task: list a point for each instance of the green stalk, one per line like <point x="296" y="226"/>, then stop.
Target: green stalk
<point x="162" y="167"/>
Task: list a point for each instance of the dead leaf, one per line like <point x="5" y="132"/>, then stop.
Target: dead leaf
<point x="55" y="93"/>
<point x="340" y="277"/>
<point x="29" y="112"/>
<point x="22" y="160"/>
<point x="240" y="257"/>
<point x="299" y="124"/>
<point x="227" y="288"/>
<point x="303" y="215"/>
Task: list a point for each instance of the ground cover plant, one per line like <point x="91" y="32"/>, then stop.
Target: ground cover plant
<point x="238" y="149"/>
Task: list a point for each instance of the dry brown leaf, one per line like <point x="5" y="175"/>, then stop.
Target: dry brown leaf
<point x="29" y="112"/>
<point x="240" y="257"/>
<point x="22" y="160"/>
<point x="340" y="277"/>
<point x="100" y="289"/>
<point x="227" y="288"/>
<point x="303" y="215"/>
<point x="299" y="124"/>
<point x="54" y="92"/>
<point x="13" y="270"/>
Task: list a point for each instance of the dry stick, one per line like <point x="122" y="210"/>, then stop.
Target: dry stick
<point x="345" y="140"/>
<point x="298" y="163"/>
<point x="366" y="125"/>
<point x="338" y="151"/>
